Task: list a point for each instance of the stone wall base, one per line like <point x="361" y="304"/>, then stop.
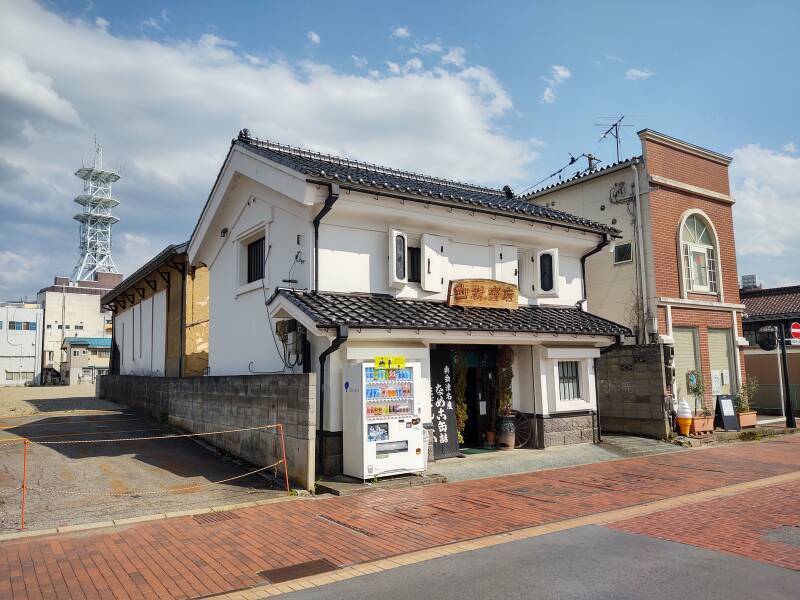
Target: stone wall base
<point x="564" y="430"/>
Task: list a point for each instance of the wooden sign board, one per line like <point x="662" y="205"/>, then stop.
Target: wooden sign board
<point x="444" y="436"/>
<point x="726" y="413"/>
<point x="485" y="293"/>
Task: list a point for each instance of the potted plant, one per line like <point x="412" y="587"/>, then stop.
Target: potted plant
<point x="747" y="416"/>
<point x="703" y="420"/>
<point x="460" y="394"/>
<point x="506" y="433"/>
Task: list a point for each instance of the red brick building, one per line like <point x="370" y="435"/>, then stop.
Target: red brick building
<point x="672" y="276"/>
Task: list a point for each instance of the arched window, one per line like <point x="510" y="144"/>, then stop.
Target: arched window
<point x="699" y="257"/>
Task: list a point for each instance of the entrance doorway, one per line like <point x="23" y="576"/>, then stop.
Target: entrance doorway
<point x="481" y="396"/>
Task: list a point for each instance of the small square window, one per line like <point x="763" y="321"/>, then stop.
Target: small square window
<point x="623" y="253"/>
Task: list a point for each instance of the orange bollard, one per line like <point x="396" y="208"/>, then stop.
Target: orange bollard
<point x="285" y="466"/>
<point x="24" y="482"/>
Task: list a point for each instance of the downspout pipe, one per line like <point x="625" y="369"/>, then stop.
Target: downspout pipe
<point x="342" y="332"/>
<point x="333" y="196"/>
<point x="603" y="243"/>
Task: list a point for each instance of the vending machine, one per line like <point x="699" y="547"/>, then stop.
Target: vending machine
<point x="382" y="429"/>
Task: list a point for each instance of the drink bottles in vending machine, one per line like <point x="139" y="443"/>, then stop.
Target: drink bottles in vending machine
<point x="382" y="428"/>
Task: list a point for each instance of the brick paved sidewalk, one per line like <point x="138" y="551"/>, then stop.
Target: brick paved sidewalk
<point x="188" y="557"/>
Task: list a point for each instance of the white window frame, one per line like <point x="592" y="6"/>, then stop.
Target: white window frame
<point x="394" y="280"/>
<point x="622" y="262"/>
<point x="242" y="240"/>
<point x="538" y="276"/>
<point x="686" y="265"/>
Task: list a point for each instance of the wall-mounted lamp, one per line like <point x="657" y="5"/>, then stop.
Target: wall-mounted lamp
<point x="224" y="232"/>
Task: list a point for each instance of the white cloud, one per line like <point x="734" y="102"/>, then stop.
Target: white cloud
<point x="412" y="65"/>
<point x="101" y="23"/>
<point x="393" y="67"/>
<point x="166" y="113"/>
<point x="455" y="56"/>
<point x="359" y="61"/>
<point x="313" y="37"/>
<point x="32" y="91"/>
<point x="374" y="73"/>
<point x="789" y="147"/>
<point x="401" y="32"/>
<point x="638" y="74"/>
<point x="157" y="22"/>
<point x="558" y="74"/>
<point x="766" y="186"/>
<point x="431" y="47"/>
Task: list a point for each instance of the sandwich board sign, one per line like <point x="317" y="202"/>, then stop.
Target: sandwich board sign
<point x="726" y="414"/>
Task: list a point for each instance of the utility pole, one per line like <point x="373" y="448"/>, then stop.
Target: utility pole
<point x="787" y="397"/>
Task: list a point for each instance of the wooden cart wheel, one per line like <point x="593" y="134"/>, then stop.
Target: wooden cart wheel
<point x="523" y="429"/>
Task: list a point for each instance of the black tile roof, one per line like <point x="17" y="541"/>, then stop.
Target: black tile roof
<point x="379" y="311"/>
<point x="364" y="175"/>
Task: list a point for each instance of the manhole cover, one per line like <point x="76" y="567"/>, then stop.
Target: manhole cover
<point x="306" y="569"/>
<point x="786" y="534"/>
<point x="215" y="517"/>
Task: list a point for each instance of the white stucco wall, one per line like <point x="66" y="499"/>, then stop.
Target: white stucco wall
<point x="141" y="336"/>
<point x="611" y="289"/>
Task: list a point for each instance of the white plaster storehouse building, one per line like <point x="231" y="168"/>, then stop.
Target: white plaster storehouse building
<point x="349" y="261"/>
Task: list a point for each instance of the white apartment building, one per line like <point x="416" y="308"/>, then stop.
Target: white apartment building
<point x="72" y="309"/>
<point x="358" y="261"/>
<point x="20" y="343"/>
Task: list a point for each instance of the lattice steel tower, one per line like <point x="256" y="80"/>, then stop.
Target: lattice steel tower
<point x="95" y="219"/>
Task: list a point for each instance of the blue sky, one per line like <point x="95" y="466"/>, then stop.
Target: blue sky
<point x="457" y="89"/>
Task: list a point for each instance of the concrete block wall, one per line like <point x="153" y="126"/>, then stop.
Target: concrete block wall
<point x="204" y="404"/>
<point x="631" y="388"/>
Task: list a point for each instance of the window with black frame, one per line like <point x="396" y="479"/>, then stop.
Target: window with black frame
<point x="569" y="386"/>
<point x="255" y="260"/>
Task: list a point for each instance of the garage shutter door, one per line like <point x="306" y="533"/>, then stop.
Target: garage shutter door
<point x="719" y="354"/>
<point x="685" y="360"/>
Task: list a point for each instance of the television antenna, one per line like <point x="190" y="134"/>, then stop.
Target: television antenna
<point x="612" y="130"/>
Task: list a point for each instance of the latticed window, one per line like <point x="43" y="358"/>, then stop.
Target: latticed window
<point x="569" y="386"/>
<point x="698" y="256"/>
<point x="255" y="260"/>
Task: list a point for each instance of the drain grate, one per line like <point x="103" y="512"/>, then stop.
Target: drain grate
<point x="306" y="569"/>
<point x="215" y="517"/>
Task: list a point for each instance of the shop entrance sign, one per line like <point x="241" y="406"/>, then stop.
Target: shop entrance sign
<point x="726" y="414"/>
<point x="486" y="293"/>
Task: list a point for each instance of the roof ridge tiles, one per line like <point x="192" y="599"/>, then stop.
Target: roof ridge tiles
<point x="365" y="166"/>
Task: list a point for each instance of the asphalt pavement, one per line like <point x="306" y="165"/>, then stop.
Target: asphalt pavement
<point x="587" y="562"/>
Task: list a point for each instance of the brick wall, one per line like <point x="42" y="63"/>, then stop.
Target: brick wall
<point x="702" y="320"/>
<point x="683" y="166"/>
<point x="631" y="387"/>
<point x="667" y="206"/>
<point x="199" y="404"/>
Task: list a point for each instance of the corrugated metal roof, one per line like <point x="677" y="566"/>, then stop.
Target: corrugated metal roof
<point x="91" y="342"/>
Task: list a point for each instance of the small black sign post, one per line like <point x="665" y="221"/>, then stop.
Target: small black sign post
<point x="726" y="414"/>
<point x="445" y="433"/>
